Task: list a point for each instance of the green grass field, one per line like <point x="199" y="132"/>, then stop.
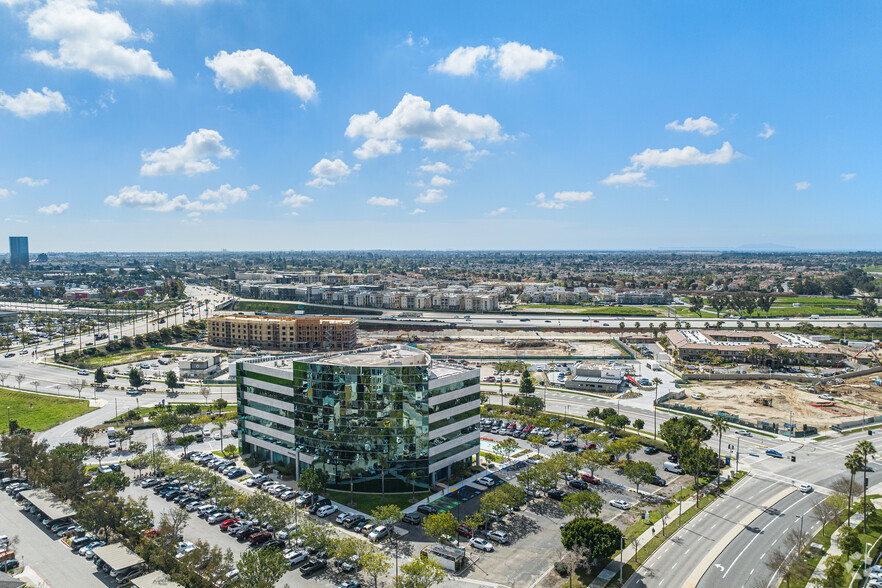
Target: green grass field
<point x="38" y="412"/>
<point x="591" y="310"/>
<point x="367" y="502"/>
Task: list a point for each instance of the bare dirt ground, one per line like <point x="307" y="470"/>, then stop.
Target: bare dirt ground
<point x="524" y="348"/>
<point x="861" y="390"/>
<point x="738" y="398"/>
<point x="487" y="334"/>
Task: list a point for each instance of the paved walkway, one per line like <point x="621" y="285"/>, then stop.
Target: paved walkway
<point x="834" y="550"/>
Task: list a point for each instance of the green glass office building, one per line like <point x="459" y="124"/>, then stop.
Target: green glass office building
<point x="382" y="416"/>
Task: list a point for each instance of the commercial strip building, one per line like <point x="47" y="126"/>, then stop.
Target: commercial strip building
<point x="734" y="346"/>
<point x="377" y="414"/>
<point x="283" y="333"/>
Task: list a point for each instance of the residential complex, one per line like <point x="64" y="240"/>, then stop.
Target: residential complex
<point x="644" y="297"/>
<point x="693" y="345"/>
<point x="376" y="415"/>
<point x="18" y="252"/>
<point x="283" y="333"/>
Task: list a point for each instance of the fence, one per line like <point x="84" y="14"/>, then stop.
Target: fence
<point x="858" y="423"/>
<point x="776" y="428"/>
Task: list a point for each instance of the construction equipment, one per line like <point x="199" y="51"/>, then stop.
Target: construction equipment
<point x="763" y="400"/>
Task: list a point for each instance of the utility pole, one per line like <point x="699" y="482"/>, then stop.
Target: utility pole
<point x="737" y="453"/>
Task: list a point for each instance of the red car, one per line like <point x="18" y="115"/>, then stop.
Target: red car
<point x="465" y="531"/>
<point x="590" y="479"/>
<point x="151" y="532"/>
<point x="260" y="538"/>
<point x="227" y="524"/>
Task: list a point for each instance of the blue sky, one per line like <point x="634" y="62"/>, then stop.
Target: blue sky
<point x="201" y="125"/>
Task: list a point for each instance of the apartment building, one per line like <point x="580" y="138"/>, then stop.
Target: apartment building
<point x="283" y="333"/>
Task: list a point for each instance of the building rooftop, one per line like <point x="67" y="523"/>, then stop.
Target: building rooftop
<point x="48" y="503"/>
<point x="117" y="556"/>
<point x="157" y="579"/>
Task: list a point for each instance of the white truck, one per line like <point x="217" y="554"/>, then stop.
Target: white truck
<point x="653" y="365"/>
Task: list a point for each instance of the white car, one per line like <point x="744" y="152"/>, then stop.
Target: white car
<point x="806" y="488"/>
<point x="296" y="556"/>
<point x="326" y="510"/>
<point x="482" y="544"/>
<point x="620" y="504"/>
<point x="83" y="373"/>
<point x="825" y="396"/>
<point x="498" y="536"/>
<point x="743" y="433"/>
<point x="485" y="481"/>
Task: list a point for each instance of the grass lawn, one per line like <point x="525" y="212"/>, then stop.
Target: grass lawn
<point x="591" y="310"/>
<point x="38" y="412"/>
<point x="367" y="502"/>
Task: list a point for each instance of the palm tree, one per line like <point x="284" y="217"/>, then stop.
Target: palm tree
<point x="384" y="463"/>
<point x="866" y="450"/>
<point x="349" y="472"/>
<point x="853" y="463"/>
<point x="719" y="426"/>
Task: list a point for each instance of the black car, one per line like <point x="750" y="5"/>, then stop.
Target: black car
<point x="578" y="484"/>
<point x="313" y="567"/>
<point x="244" y="532"/>
<point x="556" y="494"/>
<point x="427" y="509"/>
<point x="353" y="520"/>
<point x="273" y="544"/>
<point x="650" y="450"/>
<point x="412" y="518"/>
<point x="658" y="481"/>
<point x="9" y="565"/>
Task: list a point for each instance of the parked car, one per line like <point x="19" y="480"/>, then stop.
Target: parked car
<point x="412" y="518"/>
<point x="556" y="494"/>
<point x="326" y="510"/>
<point x="498" y="536"/>
<point x="481" y="544"/>
<point x="379" y="533"/>
<point x="465" y="531"/>
<point x="427" y="509"/>
<point x="620" y="504"/>
<point x="313" y="567"/>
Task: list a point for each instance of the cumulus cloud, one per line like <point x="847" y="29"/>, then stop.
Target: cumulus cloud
<point x="295" y="200"/>
<point x="380" y="201"/>
<point x="848" y="177"/>
<point x="54" y="209"/>
<point x="31" y="182"/>
<point x="498" y="211"/>
<point x="90" y="40"/>
<point x="413" y="118"/>
<point x="417" y="211"/>
<point x="676" y="157"/>
<point x="803" y="185"/>
<point x="702" y="124"/>
<point x="438" y="167"/>
<point x="628" y="178"/>
<point x="5" y="192"/>
<point x="328" y="173"/>
<point x="194" y="156"/>
<point x="463" y="61"/>
<point x="767" y="131"/>
<point x="29" y="103"/>
<point x="440" y="181"/>
<point x="513" y="60"/>
<point x="561" y="199"/>
<point x="431" y="196"/>
<point x="209" y="200"/>
<point x="376" y="147"/>
<point x="242" y="69"/>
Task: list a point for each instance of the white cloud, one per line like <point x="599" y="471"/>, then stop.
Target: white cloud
<point x="90" y="40"/>
<point x="676" y="157"/>
<point x="438" y="167"/>
<point x="194" y="156"/>
<point x="413" y="118"/>
<point x="53" y="209"/>
<point x="14" y="2"/>
<point x="376" y="147"/>
<point x="702" y="124"/>
<point x="328" y="172"/>
<point x="848" y="177"/>
<point x="380" y="201"/>
<point x="628" y="178"/>
<point x="225" y="194"/>
<point x="31" y="182"/>
<point x="803" y="185"/>
<point x="209" y="200"/>
<point x="514" y="60"/>
<point x="295" y="200"/>
<point x="242" y="69"/>
<point x="463" y="61"/>
<point x="440" y="181"/>
<point x="29" y="103"/>
<point x="418" y="211"/>
<point x="431" y="196"/>
<point x="767" y="131"/>
<point x="5" y="192"/>
<point x="498" y="211"/>
<point x="561" y="199"/>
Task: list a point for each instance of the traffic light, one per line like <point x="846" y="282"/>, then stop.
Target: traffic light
<point x="792" y="458"/>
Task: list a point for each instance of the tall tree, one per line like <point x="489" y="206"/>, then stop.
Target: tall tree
<point x="866" y="450"/>
<point x="718" y="427"/>
<point x="136" y="378"/>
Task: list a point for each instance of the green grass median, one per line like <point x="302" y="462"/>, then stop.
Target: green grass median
<point x="39" y="412"/>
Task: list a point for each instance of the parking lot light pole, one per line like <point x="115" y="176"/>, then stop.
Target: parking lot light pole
<point x="621" y="562"/>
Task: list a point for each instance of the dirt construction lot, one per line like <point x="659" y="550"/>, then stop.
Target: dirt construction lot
<point x="743" y="399"/>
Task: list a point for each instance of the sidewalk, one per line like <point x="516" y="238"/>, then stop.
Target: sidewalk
<point x="834" y="550"/>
